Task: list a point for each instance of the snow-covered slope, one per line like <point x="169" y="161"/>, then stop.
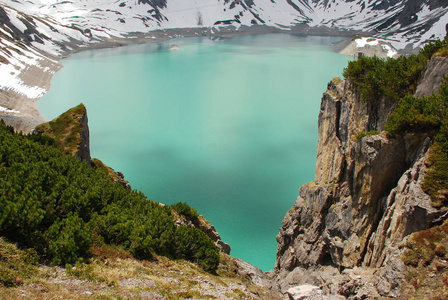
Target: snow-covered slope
<point x="37" y="29"/>
<point x="405" y="21"/>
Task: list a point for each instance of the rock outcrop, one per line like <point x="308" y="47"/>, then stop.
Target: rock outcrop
<point x="205" y="226"/>
<point x="70" y="132"/>
<point x="430" y="83"/>
<point x="344" y="232"/>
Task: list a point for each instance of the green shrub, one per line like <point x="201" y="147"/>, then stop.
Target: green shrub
<point x="194" y="245"/>
<point x="434" y="47"/>
<point x="69" y="239"/>
<point x="60" y="206"/>
<point x="390" y="79"/>
<point x="187" y="211"/>
<point x="428" y="114"/>
<point x="420" y="114"/>
<point x="363" y="134"/>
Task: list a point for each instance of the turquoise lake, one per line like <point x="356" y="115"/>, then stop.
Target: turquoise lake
<point x="228" y="126"/>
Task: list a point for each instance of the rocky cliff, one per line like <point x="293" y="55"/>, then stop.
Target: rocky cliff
<point x="346" y="230"/>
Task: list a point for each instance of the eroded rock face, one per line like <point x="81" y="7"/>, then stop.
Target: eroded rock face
<point x="433" y="76"/>
<point x="211" y="232"/>
<point x="344" y="232"/>
<point x="83" y="152"/>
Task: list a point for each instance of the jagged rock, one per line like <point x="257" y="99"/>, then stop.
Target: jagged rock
<point x="255" y="275"/>
<point x="304" y="292"/>
<point x="345" y="229"/>
<point x="205" y="226"/>
<point x="211" y="232"/>
<point x="335" y="216"/>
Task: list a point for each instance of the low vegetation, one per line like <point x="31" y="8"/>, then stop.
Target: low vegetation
<point x="363" y="134"/>
<point x="16" y="265"/>
<point x="428" y="114"/>
<point x="426" y="255"/>
<point x="112" y="273"/>
<point x="389" y="79"/>
<point x="61" y="207"/>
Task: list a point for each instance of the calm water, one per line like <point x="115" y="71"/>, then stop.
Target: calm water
<point x="228" y="126"/>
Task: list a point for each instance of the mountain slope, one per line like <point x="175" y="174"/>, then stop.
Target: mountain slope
<point x="34" y="34"/>
<point x="412" y="21"/>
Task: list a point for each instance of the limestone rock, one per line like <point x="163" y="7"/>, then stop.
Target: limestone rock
<point x="345" y="230"/>
<point x="432" y="79"/>
<point x="211" y="232"/>
<point x="255" y="275"/>
<point x="304" y="292"/>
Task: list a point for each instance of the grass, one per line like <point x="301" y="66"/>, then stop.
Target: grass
<point x="65" y="129"/>
<point x="426" y="256"/>
<point x="111" y="273"/>
<point x="337" y="80"/>
<point x="16" y="265"/>
<point x="362" y="134"/>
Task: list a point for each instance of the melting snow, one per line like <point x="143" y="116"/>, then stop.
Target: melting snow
<point x="10" y="82"/>
<point x="8" y="111"/>
<point x="362" y="42"/>
<point x="368" y="41"/>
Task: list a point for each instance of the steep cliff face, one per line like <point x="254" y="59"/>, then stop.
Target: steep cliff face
<point x="345" y="230"/>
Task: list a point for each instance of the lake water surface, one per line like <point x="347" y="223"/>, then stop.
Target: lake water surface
<point x="228" y="126"/>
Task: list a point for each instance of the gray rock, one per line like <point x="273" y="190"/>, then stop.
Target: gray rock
<point x="344" y="232"/>
<point x="302" y="292"/>
<point x="246" y="270"/>
<point x="432" y="79"/>
<point x="84" y="147"/>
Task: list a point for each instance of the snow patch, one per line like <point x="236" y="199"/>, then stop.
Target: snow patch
<point x="10" y="82"/>
<point x="369" y="41"/>
<point x="362" y="42"/>
<point x="8" y="111"/>
<point x="390" y="51"/>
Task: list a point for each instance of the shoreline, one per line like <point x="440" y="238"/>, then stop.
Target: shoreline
<point x="20" y="111"/>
